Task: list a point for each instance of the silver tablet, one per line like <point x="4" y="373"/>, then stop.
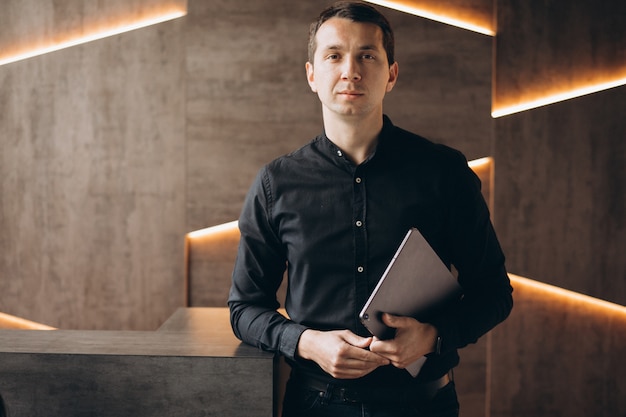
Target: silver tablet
<point x="416" y="283"/>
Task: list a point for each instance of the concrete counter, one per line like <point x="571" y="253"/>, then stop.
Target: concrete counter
<point x="191" y="366"/>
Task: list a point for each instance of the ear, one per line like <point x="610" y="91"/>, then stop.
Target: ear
<point x="310" y="76"/>
<point x="393" y="76"/>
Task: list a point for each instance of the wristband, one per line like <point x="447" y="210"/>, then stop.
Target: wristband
<point x="438" y="346"/>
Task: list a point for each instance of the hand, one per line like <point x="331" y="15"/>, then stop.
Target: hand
<point x="413" y="340"/>
<point x="340" y="353"/>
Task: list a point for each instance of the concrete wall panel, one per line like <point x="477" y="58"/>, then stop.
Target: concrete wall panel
<point x="92" y="182"/>
<point x="558" y="355"/>
<point x="561" y="169"/>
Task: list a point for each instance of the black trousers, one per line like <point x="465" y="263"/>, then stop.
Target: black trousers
<point x="303" y="401"/>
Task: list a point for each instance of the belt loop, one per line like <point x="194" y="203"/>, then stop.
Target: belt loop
<point x="342" y="395"/>
<point x="326" y="395"/>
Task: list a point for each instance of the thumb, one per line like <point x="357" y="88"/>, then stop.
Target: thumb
<point x="394" y="321"/>
<point x="356" y="340"/>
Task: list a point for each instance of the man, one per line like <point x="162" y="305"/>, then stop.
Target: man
<point x="333" y="213"/>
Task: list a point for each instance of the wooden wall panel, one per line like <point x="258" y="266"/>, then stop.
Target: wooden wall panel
<point x="560" y="187"/>
<point x="562" y="168"/>
<point x="546" y="47"/>
<point x="558" y="355"/>
<point x="35" y="24"/>
<point x="92" y="182"/>
<point x="248" y="100"/>
<point x="560" y="181"/>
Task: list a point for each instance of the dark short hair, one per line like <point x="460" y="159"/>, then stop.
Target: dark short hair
<point x="357" y="12"/>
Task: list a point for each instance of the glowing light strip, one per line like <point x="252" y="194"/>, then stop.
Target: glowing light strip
<point x="92" y="37"/>
<point x="557" y="97"/>
<point x="13" y="322"/>
<point x="433" y="16"/>
<point x="479" y="162"/>
<point x="561" y="292"/>
<point x="225" y="227"/>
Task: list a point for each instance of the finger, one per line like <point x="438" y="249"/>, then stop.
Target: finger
<point x="355" y="350"/>
<point x="362" y="363"/>
<point x="351" y="373"/>
<point x="367" y="357"/>
<point x="385" y="348"/>
<point x="356" y="340"/>
<point x="394" y="321"/>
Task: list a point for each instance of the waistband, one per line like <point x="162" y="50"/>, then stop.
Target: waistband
<point x="366" y="394"/>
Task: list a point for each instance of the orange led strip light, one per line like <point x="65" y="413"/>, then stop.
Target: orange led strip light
<point x="436" y="16"/>
<point x="153" y="20"/>
<point x="480" y="162"/>
<point x="555" y="98"/>
<point x="220" y="228"/>
<point x="561" y="293"/>
<point x="8" y="321"/>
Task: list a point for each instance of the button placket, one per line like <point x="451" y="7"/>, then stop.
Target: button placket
<point x="360" y="236"/>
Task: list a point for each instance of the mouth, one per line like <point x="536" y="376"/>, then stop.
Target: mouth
<point x="351" y="93"/>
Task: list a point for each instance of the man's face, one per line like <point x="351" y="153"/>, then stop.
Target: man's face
<point x="350" y="72"/>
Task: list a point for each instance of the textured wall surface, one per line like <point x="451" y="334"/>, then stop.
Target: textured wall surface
<point x="560" y="208"/>
<point x="560" y="193"/>
<point x="561" y="169"/>
<point x="36" y="24"/>
<point x="558" y="356"/>
<point x="547" y="47"/>
<point x="92" y="176"/>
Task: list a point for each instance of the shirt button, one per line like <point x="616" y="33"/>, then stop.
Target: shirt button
<point x="359" y="223"/>
<point x="339" y="153"/>
<point x="360" y="269"/>
<point x="358" y="180"/>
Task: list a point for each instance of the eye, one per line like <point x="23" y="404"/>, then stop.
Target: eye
<point x="332" y="57"/>
<point x="368" y="56"/>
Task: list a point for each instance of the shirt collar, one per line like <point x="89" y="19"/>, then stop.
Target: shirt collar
<point x="335" y="152"/>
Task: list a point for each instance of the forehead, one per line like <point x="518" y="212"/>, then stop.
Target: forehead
<point x="344" y="33"/>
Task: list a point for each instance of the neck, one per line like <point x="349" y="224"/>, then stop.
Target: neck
<point x="356" y="137"/>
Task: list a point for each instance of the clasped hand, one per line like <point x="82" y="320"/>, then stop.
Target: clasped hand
<point x="345" y="355"/>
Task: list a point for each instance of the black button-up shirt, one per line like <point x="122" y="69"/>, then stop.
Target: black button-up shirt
<point x="335" y="226"/>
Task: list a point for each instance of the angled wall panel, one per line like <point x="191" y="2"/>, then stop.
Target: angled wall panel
<point x="92" y="181"/>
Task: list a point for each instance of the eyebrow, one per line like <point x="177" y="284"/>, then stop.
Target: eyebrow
<point x="369" y="48"/>
<point x="361" y="48"/>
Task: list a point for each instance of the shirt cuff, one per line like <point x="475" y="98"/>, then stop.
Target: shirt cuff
<point x="289" y="340"/>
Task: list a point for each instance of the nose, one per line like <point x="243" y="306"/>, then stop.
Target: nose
<point x="351" y="70"/>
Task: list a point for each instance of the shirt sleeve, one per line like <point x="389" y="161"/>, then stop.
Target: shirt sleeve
<point x="476" y="254"/>
<point x="257" y="274"/>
